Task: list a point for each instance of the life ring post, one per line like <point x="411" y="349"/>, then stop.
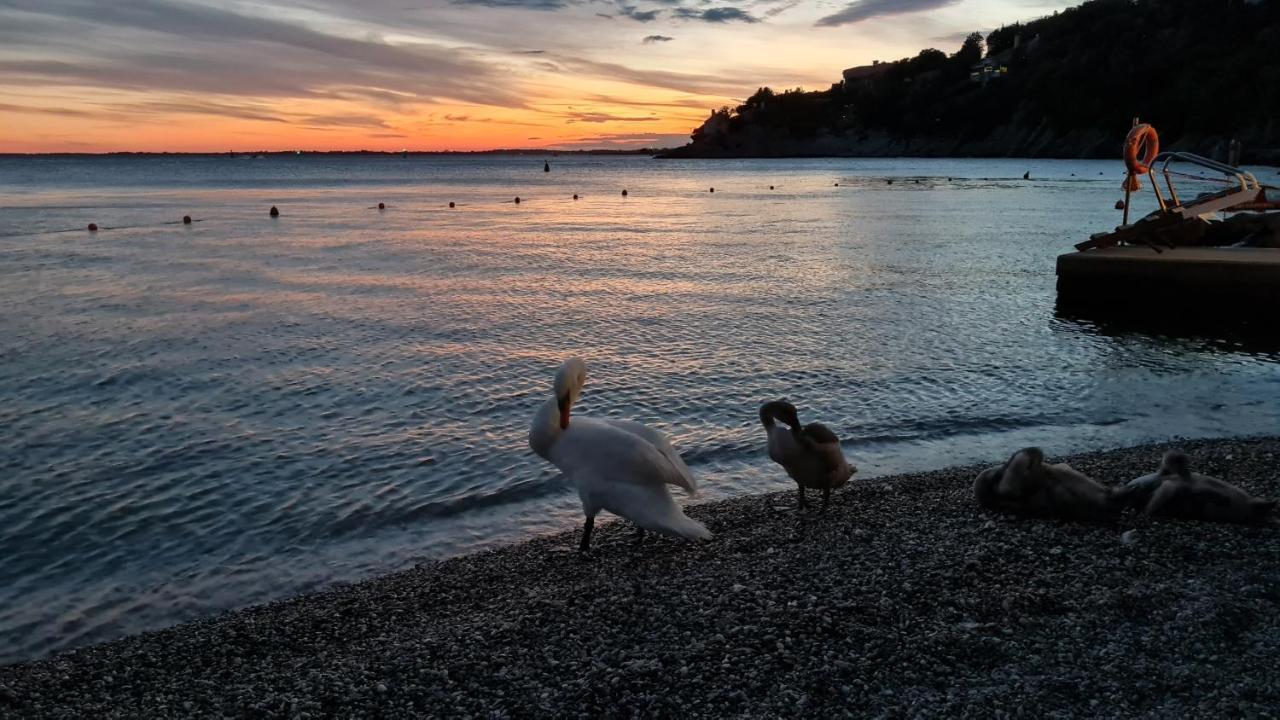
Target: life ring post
<point x="1141" y="147"/>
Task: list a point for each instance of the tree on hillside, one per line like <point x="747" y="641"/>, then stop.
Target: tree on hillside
<point x="1002" y="38"/>
<point x="1077" y="80"/>
<point x="971" y="51"/>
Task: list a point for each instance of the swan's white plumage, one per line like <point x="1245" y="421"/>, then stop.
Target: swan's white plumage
<point x="684" y="477"/>
<point x="616" y="465"/>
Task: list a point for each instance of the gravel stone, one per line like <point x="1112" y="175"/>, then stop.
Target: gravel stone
<point x="904" y="599"/>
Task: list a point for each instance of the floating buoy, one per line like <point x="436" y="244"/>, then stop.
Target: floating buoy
<point x="93" y="227"/>
<point x="624" y="193"/>
<point x="770" y="187"/>
<point x="382" y="206"/>
<point x="275" y="212"/>
<point x="450" y="203"/>
<point x="889" y="181"/>
<point x="836" y="185"/>
<point x="1119" y="204"/>
<point x="917" y="181"/>
<point x="712" y="190"/>
<point x="186" y="219"/>
<point x="575" y="196"/>
<point x="517" y="199"/>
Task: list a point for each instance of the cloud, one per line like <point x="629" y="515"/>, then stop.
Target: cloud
<point x="781" y="8"/>
<point x="169" y="46"/>
<point x="692" y="83"/>
<point x="601" y="117"/>
<point x="860" y="10"/>
<point x="651" y="39"/>
<point x="32" y="110"/>
<point x="957" y="38"/>
<point x="624" y="141"/>
<point x="638" y="15"/>
<point x="717" y="15"/>
<point x="693" y="103"/>
<point x="525" y="4"/>
<point x="343" y="120"/>
<point x="200" y="106"/>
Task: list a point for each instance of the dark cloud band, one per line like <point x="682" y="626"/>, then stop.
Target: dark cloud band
<point x="861" y="10"/>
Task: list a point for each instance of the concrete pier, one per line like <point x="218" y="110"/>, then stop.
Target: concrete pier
<point x="1205" y="276"/>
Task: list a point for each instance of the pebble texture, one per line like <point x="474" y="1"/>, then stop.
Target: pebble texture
<point x="904" y="599"/>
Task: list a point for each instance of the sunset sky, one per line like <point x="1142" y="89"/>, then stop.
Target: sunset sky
<point x="106" y="75"/>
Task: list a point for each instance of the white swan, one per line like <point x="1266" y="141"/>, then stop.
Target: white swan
<point x="810" y="454"/>
<point x="617" y="465"/>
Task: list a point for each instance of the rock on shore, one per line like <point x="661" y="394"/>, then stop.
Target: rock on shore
<point x="903" y="599"/>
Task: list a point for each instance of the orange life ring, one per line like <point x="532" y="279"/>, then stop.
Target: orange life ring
<point x="1142" y="139"/>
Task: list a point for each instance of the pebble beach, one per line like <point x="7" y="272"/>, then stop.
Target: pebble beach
<point x="903" y="599"/>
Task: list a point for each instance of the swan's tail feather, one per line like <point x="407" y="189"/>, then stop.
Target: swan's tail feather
<point x="685" y="527"/>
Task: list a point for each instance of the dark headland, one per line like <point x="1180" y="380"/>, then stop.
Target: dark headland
<point x="903" y="600"/>
<point x="1203" y="72"/>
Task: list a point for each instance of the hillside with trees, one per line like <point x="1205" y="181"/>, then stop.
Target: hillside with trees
<point x="1068" y="85"/>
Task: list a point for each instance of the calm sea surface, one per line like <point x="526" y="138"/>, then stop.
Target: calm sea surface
<point x="206" y="417"/>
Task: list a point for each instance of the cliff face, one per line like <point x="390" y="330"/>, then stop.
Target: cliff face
<point x="1202" y="71"/>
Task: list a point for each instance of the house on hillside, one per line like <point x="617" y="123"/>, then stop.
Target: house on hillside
<point x="986" y="70"/>
<point x="997" y="65"/>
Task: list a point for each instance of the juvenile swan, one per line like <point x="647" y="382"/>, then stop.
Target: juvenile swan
<point x="1026" y="485"/>
<point x="617" y="465"/>
<point x="1177" y="492"/>
<point x="810" y="454"/>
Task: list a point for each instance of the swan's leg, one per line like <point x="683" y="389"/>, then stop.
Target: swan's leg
<point x="826" y="498"/>
<point x="639" y="535"/>
<point x="585" y="546"/>
<point x="803" y="503"/>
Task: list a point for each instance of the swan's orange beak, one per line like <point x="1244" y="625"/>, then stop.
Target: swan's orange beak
<point x="564" y="413"/>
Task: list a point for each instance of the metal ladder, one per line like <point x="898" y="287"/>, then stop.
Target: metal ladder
<point x="1245" y="193"/>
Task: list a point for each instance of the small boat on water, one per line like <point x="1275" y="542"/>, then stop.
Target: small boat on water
<point x="1218" y="248"/>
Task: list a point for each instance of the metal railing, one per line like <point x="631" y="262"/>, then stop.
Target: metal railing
<point x="1249" y="187"/>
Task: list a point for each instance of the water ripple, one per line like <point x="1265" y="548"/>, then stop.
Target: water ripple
<point x="204" y="417"/>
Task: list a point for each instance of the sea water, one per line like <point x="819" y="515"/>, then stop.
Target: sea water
<point x="207" y="416"/>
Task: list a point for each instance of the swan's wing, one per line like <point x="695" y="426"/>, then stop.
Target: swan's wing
<point x="824" y="446"/>
<point x="1138" y="492"/>
<point x="599" y="453"/>
<point x="623" y="473"/>
<point x="1146" y="483"/>
<point x="783" y="448"/>
<point x="1222" y="488"/>
<point x="663" y="445"/>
